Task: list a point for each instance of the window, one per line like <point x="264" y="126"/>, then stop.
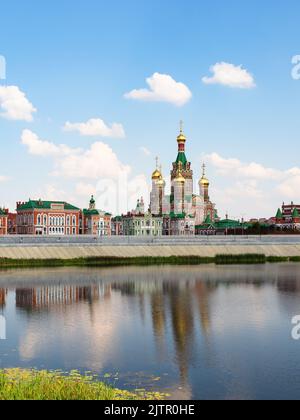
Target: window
<point x="39" y="220"/>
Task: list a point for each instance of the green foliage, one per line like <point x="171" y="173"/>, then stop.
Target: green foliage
<point x="18" y="384"/>
<point x="103" y="262"/>
<point x="241" y="259"/>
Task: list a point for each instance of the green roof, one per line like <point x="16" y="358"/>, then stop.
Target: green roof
<point x="221" y="225"/>
<point x="279" y="214"/>
<point x="177" y="216"/>
<point x="295" y="213"/>
<point x="207" y="221"/>
<point x="181" y="158"/>
<point x="45" y="205"/>
<point x="2" y="213"/>
<point x="94" y="212"/>
<point x="87" y="212"/>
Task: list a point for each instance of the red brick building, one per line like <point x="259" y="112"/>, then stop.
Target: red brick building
<point x="11" y="223"/>
<point x="3" y="222"/>
<point x="37" y="217"/>
<point x="289" y="216"/>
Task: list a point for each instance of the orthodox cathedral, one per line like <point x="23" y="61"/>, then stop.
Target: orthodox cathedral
<point x="183" y="210"/>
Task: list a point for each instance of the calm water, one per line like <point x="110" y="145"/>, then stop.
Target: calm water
<point x="197" y="332"/>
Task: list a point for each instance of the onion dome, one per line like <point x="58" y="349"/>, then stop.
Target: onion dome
<point x="179" y="178"/>
<point x="156" y="175"/>
<point x="181" y="138"/>
<point x="204" y="181"/>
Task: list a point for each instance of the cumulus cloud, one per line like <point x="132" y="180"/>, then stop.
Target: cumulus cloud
<point x="15" y="105"/>
<point x="227" y="74"/>
<point x="96" y="127"/>
<point x="251" y="189"/>
<point x="237" y="168"/>
<point x="97" y="161"/>
<point x="39" y="147"/>
<point x="97" y="170"/>
<point x="162" y="88"/>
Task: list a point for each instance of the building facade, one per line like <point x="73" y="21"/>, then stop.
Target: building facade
<point x="96" y="222"/>
<point x="3" y="222"/>
<point x="54" y="218"/>
<point x="288" y="217"/>
<point x="117" y="228"/>
<point x="141" y="223"/>
<point x="183" y="209"/>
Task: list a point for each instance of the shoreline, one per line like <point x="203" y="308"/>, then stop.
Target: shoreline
<point x="221" y="259"/>
<point x="31" y="384"/>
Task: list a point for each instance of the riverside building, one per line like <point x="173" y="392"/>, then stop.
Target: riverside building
<point x="54" y="218"/>
<point x="3" y="222"/>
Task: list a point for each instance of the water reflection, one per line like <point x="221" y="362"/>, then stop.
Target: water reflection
<point x="207" y="332"/>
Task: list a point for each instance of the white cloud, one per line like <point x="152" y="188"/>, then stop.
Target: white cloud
<point x="96" y="162"/>
<point x="227" y="74"/>
<point x="239" y="169"/>
<point x="145" y="151"/>
<point x="3" y="178"/>
<point x="39" y="147"/>
<point x="251" y="189"/>
<point x="96" y="127"/>
<point x="99" y="161"/>
<point x="162" y="88"/>
<point x="15" y="105"/>
<point x="98" y="171"/>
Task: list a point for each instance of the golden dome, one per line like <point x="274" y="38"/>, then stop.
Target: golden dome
<point x="204" y="181"/>
<point x="181" y="138"/>
<point x="156" y="175"/>
<point x="179" y="178"/>
<point x="161" y="183"/>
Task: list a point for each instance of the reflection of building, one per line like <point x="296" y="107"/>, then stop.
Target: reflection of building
<point x="96" y="222"/>
<point x="3" y="294"/>
<point x="3" y="222"/>
<point x="288" y="218"/>
<point x="45" y="297"/>
<point x="47" y="218"/>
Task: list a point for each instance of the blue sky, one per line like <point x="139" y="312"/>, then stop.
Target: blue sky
<point x="75" y="61"/>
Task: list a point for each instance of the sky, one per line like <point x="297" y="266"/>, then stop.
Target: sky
<point x="95" y="90"/>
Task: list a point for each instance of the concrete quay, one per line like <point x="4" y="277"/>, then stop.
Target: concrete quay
<point x="130" y="247"/>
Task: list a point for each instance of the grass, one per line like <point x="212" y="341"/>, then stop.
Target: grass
<point x="19" y="384"/>
<point x="103" y="261"/>
<point x="241" y="259"/>
<point x="144" y="261"/>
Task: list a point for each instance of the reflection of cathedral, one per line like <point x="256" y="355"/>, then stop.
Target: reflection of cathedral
<point x="182" y="210"/>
